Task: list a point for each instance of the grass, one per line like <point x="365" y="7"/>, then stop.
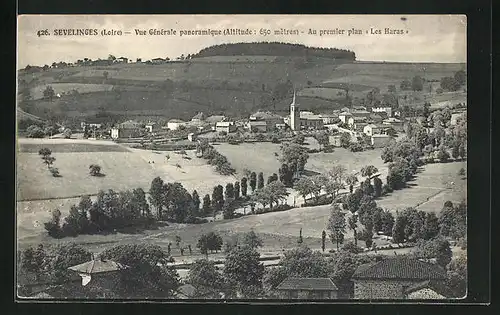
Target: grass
<point x="431" y="188"/>
<point x="37" y="92"/>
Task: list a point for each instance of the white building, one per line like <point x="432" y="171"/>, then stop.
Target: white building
<point x="225" y="126"/>
<point x="174" y="124"/>
<point x="372" y="129"/>
<point x="344" y="116"/>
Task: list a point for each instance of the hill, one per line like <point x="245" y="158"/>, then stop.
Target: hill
<point x="239" y="80"/>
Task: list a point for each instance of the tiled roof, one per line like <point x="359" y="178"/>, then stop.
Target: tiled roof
<point x="307" y="284"/>
<point x="98" y="266"/>
<point x="401" y="268"/>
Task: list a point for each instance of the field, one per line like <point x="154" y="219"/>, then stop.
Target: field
<point x="433" y="186"/>
<point x="260" y="157"/>
<point x="60" y="88"/>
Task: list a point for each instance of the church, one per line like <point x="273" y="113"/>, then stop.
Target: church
<point x="299" y="120"/>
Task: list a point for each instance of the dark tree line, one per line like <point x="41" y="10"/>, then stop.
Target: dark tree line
<point x="273" y="49"/>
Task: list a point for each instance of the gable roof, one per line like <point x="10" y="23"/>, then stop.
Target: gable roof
<point x="307" y="284"/>
<point x="400" y="268"/>
<point x="265" y="115"/>
<point x="98" y="266"/>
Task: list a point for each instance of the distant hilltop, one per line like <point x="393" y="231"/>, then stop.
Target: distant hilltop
<point x="274" y="49"/>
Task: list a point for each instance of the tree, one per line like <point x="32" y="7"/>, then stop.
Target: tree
<point x="272" y="178"/>
<point x="244" y="186"/>
<point x="457" y="276"/>
<point x="398" y="230"/>
<point x="244" y="272"/>
<point x="450" y="84"/>
<point x="345" y="140"/>
<point x="196" y="203"/>
<point x="405" y="85"/>
<point x="148" y="274"/>
<point x="252" y="239"/>
<point x="417" y="83"/>
<point x="461" y="172"/>
<point x="368" y="171"/>
<point x="286" y="175"/>
<point x="44" y="152"/>
<point x="322" y="138"/>
<point x="366" y="211"/>
<point x="336" y="225"/>
<point x="237" y="190"/>
<point x="391" y="88"/>
<point x="95" y="170"/>
<point x="305" y="187"/>
<point x="253" y="181"/>
<point x="209" y="242"/>
<point x="217" y="199"/>
<point x="431" y="226"/>
<point x="53" y="227"/>
<point x="377" y="187"/>
<point x="299" y="139"/>
<point x="207" y="280"/>
<point x="366" y="235"/>
<point x="229" y="193"/>
<point x="342" y="267"/>
<point x="295" y="156"/>
<point x="460" y="77"/>
<point x="453" y="220"/>
<point x="387" y="222"/>
<point x="156" y="196"/>
<point x="207" y="207"/>
<point x="300" y="240"/>
<point x="351" y="180"/>
<point x="437" y="248"/>
<point x="299" y="262"/>
<point x="34" y="131"/>
<point x="48" y="93"/>
<point x="67" y="133"/>
<point x="260" y="181"/>
<point x="49" y="160"/>
<point x="323" y="240"/>
<point x="442" y="154"/>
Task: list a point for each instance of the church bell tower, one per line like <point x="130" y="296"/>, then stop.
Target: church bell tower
<point x="294" y="114"/>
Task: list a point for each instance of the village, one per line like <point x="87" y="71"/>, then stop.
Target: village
<point x="247" y="171"/>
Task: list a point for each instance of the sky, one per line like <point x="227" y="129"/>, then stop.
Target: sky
<point x="425" y="38"/>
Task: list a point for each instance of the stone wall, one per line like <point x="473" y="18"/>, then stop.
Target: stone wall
<point x="372" y="289"/>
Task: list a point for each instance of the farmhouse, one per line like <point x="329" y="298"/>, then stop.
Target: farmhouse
<point x="100" y="271"/>
<point x="392" y="277"/>
<point x="380" y="140"/>
<point x="174" y="124"/>
<point x="128" y="129"/>
<point x="307" y="288"/>
<point x="225" y="126"/>
<point x="356" y="121"/>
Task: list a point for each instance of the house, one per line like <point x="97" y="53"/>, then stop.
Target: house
<point x="359" y="108"/>
<point x="329" y="119"/>
<point x="158" y="60"/>
<point x="271" y="119"/>
<point x="395" y="123"/>
<point x="257" y="126"/>
<point x="344" y="116"/>
<point x="152" y="127"/>
<point x="426" y="290"/>
<point x="376" y="118"/>
<point x="212" y="120"/>
<point x="307" y="288"/>
<point x="387" y="110"/>
<point x="225" y="126"/>
<point x="128" y="129"/>
<point x="356" y="120"/>
<point x="191" y="137"/>
<point x="380" y="140"/>
<point x="360" y="113"/>
<point x="392" y="277"/>
<point x="334" y="140"/>
<point x="200" y="117"/>
<point x="121" y="60"/>
<point x="372" y="129"/>
<point x="345" y="109"/>
<point x="99" y="271"/>
<point x="174" y="124"/>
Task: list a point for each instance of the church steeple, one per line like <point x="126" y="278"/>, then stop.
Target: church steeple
<point x="293" y="100"/>
<point x="294" y="114"/>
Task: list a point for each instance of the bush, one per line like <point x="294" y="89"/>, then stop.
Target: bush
<point x="439" y="91"/>
<point x="278" y="208"/>
<point x="195" y="220"/>
<point x="322" y="200"/>
<point x="313" y="151"/>
<point x="329" y="149"/>
<point x="355" y="147"/>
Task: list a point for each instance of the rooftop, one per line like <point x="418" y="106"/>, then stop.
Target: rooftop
<point x="175" y="121"/>
<point x="265" y="115"/>
<point x="400" y="268"/>
<point x="307" y="284"/>
<point x="215" y="118"/>
<point x="98" y="266"/>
